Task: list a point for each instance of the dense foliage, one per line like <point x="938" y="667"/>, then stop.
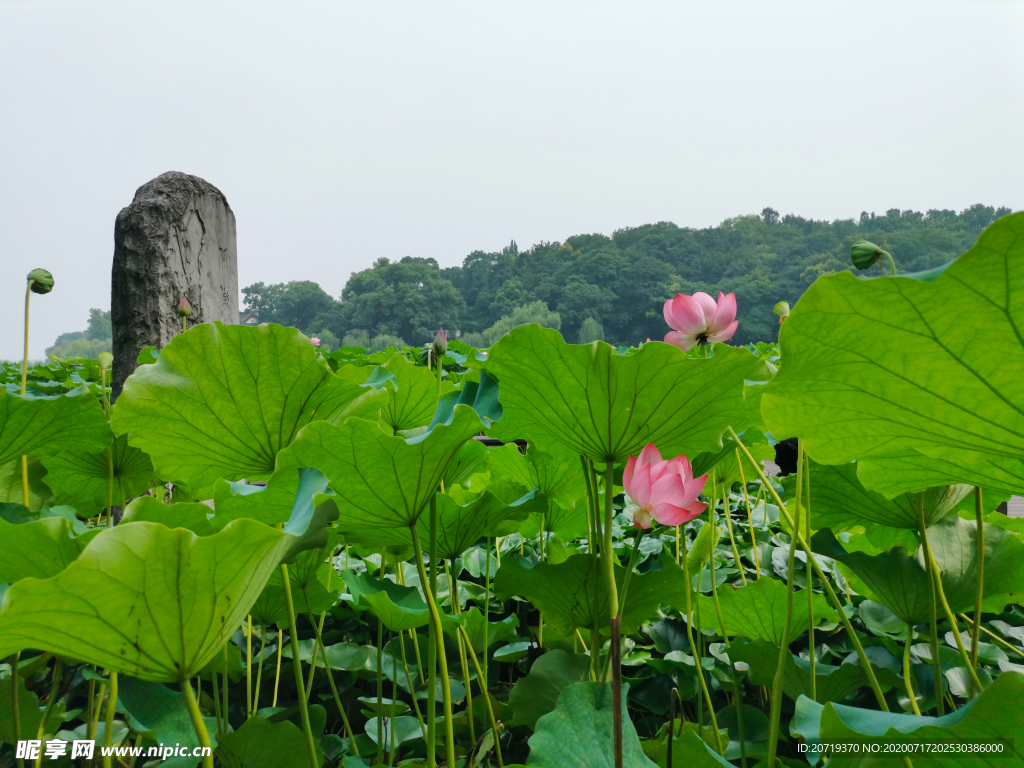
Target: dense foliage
<point x="441" y="555"/>
<point x="618" y="281"/>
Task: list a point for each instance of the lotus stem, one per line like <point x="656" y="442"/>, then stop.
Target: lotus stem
<point x="980" y="541"/>
<point x="313" y="752"/>
<point x="833" y="598"/>
<point x="58" y="670"/>
<point x="24" y="459"/>
<point x="248" y="667"/>
<point x="613" y="603"/>
<point x="693" y="650"/>
<point x="259" y="672"/>
<point x="933" y="605"/>
<point x="487" y="600"/>
<point x="810" y="579"/>
<point x="108" y="725"/>
<point x="15" y="709"/>
<point x="197" y="723"/>
<point x="907" y="681"/>
<point x="750" y="514"/>
<point x="224" y="708"/>
<point x="996" y="638"/>
<point x="453" y="588"/>
<point x="780" y="669"/>
<point x="487" y="697"/>
<point x="320" y="650"/>
<point x="951" y="618"/>
<point x="732" y="538"/>
<point x="408" y="677"/>
<point x="430" y="585"/>
<point x="436" y="617"/>
<point x="380" y="669"/>
<point x="629" y="572"/>
<point x="277" y="672"/>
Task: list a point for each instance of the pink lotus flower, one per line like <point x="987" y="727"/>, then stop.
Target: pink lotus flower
<point x="699" y="319"/>
<point x="663" y="490"/>
<point x="315" y="340"/>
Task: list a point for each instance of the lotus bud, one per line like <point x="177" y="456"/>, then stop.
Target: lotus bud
<point x="782" y="310"/>
<point x="864" y="254"/>
<point x="40" y="281"/>
<point x="184" y="308"/>
<point x="315" y="340"/>
<point x="105" y="359"/>
<point x="440" y="344"/>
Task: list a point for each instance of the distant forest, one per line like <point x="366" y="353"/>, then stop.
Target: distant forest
<point x="619" y="282"/>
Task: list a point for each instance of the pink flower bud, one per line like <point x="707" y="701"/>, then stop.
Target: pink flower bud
<point x="184" y="308"/>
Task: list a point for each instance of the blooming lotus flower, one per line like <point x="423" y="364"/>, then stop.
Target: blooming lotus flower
<point x="315" y="340"/>
<point x="663" y="490"/>
<point x="699" y="319"/>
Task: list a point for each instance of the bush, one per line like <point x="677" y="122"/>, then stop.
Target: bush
<point x="383" y="341"/>
<point x="534" y="312"/>
<point x="474" y="339"/>
<point x="590" y="330"/>
<point x="356" y="338"/>
<point x="81" y="347"/>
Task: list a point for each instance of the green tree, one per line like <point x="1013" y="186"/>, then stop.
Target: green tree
<point x="534" y="312"/>
<point x="590" y="331"/>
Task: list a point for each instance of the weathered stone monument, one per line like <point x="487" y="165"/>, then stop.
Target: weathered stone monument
<point x="176" y="239"/>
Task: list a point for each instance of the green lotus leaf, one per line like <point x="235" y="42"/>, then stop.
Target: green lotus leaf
<point x="724" y="462"/>
<point x="691" y="747"/>
<point x="472" y="620"/>
<point x="567" y="523"/>
<point x="406" y="729"/>
<point x="400" y="608"/>
<point x="271" y="607"/>
<point x="381" y="481"/>
<point x="924" y="384"/>
<point x="29" y="713"/>
<point x="45" y="425"/>
<point x="156" y="711"/>
<point x="479" y="391"/>
<point x="39" y="549"/>
<point x="894" y="474"/>
<point x="607" y="406"/>
<point x="194" y="516"/>
<point x="831" y="683"/>
<point x="998" y="713"/>
<point x="412" y="394"/>
<point x="565" y="593"/>
<point x="557" y="471"/>
<point x="81" y="479"/>
<point x="579" y="731"/>
<point x="262" y="744"/>
<point x="176" y="600"/>
<point x="222" y="401"/>
<point x="955" y="547"/>
<point x="758" y="610"/>
<point x="467" y="460"/>
<point x="537" y="694"/>
<point x="839" y="498"/>
<point x="10" y="484"/>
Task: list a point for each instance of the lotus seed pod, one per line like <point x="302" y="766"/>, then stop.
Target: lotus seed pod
<point x="864" y="254"/>
<point x="105" y="359"/>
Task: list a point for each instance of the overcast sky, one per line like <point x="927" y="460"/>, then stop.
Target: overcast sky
<point x="343" y="132"/>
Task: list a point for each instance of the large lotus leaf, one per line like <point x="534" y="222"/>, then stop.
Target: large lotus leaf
<point x="192" y="516"/>
<point x="955" y="547"/>
<point x="459" y="527"/>
<point x="39" y="549"/>
<point x="262" y="744"/>
<point x="222" y="401"/>
<point x="381" y="480"/>
<point x="146" y="600"/>
<point x="998" y="713"/>
<point x="758" y="610"/>
<point x="158" y="712"/>
<point x="567" y="523"/>
<point x="579" y="731"/>
<point x="692" y="746"/>
<point x="831" y="683"/>
<point x="80" y="479"/>
<point x="898" y="580"/>
<point x="875" y="368"/>
<point x="607" y="406"/>
<point x="537" y="693"/>
<point x="45" y="425"/>
<point x="10" y="484"/>
<point x="557" y="471"/>
<point x="565" y="593"/>
<point x="288" y="495"/>
<point x="466" y="461"/>
<point x="400" y="608"/>
<point x="895" y="473"/>
<point x="473" y="622"/>
<point x="838" y="497"/>
<point x="479" y="392"/>
<point x="412" y="394"/>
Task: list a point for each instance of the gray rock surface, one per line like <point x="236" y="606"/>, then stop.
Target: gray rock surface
<point x="177" y="238"/>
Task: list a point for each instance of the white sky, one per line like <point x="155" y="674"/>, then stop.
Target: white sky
<point x="342" y="132"/>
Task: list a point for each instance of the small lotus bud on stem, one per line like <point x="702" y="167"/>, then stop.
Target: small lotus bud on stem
<point x="782" y="310"/>
<point x="440" y="344"/>
<point x="40" y="281"/>
<point x="184" y="309"/>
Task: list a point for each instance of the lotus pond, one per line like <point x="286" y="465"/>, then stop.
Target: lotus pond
<point x="541" y="554"/>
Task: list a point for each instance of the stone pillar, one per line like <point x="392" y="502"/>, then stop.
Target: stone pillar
<point x="177" y="238"/>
